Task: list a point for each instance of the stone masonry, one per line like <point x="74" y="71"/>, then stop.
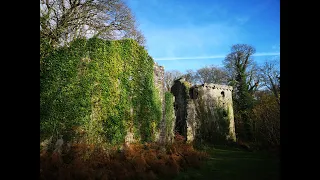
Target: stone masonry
<point x="189" y="100"/>
<point x="159" y="83"/>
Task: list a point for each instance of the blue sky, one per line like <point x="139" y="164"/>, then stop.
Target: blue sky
<point x="190" y="34"/>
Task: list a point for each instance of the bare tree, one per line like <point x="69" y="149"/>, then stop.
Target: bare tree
<point x="211" y="74"/>
<point x="170" y="77"/>
<point x="190" y="76"/>
<point x="61" y="21"/>
<point x="253" y="78"/>
<point x="270" y="75"/>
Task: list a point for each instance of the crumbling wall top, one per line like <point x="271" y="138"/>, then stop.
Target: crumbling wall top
<point x="156" y="65"/>
<point x="214" y="86"/>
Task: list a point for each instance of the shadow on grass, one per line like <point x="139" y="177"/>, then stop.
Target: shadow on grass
<point x="233" y="164"/>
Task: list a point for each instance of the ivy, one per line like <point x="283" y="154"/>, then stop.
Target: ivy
<point x="213" y="122"/>
<point x="169" y="115"/>
<point x="102" y="87"/>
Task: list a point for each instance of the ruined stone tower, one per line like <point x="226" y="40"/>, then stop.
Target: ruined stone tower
<point x="159" y="83"/>
<point x="158" y="77"/>
<point x="204" y="112"/>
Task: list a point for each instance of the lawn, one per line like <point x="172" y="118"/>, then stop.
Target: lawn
<point x="234" y="164"/>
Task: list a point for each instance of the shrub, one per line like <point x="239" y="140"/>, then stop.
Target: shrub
<point x="135" y="161"/>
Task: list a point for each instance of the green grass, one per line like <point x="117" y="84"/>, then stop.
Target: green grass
<point x="233" y="164"/>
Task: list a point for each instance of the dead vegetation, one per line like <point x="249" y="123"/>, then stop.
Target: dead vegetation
<point x="135" y="161"/>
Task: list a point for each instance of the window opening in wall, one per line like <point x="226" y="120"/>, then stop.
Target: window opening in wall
<point x="222" y="93"/>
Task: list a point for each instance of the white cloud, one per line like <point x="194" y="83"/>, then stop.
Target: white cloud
<point x="184" y="58"/>
<point x="212" y="57"/>
<point x="267" y="54"/>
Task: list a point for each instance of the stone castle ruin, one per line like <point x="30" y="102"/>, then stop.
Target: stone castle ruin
<point x="203" y="112"/>
<point x="111" y="100"/>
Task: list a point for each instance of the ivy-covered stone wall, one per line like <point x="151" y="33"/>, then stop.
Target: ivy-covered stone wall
<point x="98" y="91"/>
